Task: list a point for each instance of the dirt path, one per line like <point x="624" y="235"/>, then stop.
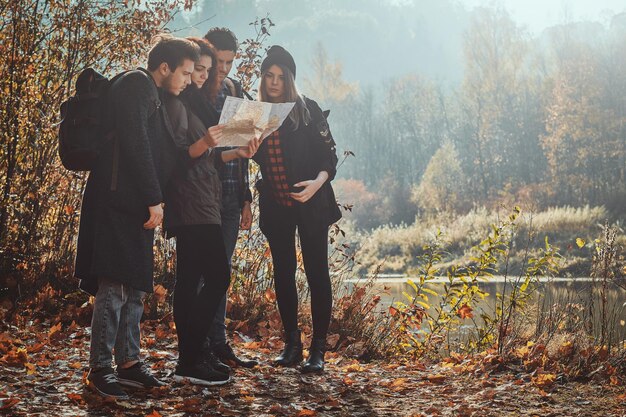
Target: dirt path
<point x="42" y="372"/>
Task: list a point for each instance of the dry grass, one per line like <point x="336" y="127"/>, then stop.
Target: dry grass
<point x="398" y="247"/>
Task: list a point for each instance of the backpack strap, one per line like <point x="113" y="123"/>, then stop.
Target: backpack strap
<point x="116" y="142"/>
<point x="116" y="162"/>
<point x="231" y="86"/>
<point x="166" y="119"/>
<point x="245" y="93"/>
<point x="233" y="89"/>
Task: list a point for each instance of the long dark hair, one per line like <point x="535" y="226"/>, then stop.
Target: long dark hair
<point x="205" y="47"/>
<point x="300" y="112"/>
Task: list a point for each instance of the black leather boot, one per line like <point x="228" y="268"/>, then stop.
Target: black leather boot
<point x="292" y="353"/>
<point x="315" y="361"/>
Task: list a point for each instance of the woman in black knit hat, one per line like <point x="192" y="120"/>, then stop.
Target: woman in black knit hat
<point x="297" y="162"/>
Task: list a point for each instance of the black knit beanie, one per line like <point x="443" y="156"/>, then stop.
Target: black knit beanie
<point x="277" y="55"/>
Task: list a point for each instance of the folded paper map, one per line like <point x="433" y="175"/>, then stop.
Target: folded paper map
<point x="244" y="120"/>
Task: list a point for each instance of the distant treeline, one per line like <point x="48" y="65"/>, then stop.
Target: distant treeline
<point x="536" y="121"/>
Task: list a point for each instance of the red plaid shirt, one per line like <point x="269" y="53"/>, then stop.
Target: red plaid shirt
<point x="274" y="171"/>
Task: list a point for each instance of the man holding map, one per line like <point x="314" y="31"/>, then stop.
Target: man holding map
<point x="236" y="197"/>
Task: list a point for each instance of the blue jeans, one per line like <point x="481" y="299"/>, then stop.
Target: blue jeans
<point x="231" y="214"/>
<point x="115" y="324"/>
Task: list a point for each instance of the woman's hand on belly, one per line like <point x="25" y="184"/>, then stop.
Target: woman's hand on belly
<point x="310" y="187"/>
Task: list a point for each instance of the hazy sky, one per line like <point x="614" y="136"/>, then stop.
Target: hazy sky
<point x="380" y="39"/>
<point x="536" y="15"/>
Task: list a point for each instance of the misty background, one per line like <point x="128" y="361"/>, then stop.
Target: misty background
<point x="378" y="39"/>
<point x="452" y="106"/>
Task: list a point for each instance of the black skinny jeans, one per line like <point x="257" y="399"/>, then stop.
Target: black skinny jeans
<point x="200" y="253"/>
<point x="282" y="240"/>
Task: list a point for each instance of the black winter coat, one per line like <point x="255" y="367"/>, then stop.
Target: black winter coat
<point x="112" y="242"/>
<point x="306" y="151"/>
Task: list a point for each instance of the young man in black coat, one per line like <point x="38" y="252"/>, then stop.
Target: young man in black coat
<point x="122" y="207"/>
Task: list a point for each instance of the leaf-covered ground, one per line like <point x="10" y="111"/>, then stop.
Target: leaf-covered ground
<point x="43" y="370"/>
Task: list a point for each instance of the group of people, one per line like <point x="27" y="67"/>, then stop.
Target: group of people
<point x="164" y="166"/>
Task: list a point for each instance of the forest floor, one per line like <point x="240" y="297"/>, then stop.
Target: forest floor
<point x="43" y="373"/>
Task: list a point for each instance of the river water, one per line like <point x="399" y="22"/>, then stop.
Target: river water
<point x="567" y="300"/>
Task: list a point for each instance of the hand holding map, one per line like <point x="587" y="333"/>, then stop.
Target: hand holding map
<point x="244" y="120"/>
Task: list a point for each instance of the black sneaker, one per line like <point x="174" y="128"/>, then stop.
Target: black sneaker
<point x="105" y="382"/>
<point x="138" y="376"/>
<point x="200" y="374"/>
<point x="225" y="353"/>
<point x="214" y="362"/>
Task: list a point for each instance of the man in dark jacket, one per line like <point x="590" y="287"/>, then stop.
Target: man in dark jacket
<point x="236" y="197"/>
<point x="121" y="208"/>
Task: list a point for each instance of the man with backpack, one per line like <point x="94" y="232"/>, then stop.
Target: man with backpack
<point x="236" y="212"/>
<point x="121" y="208"/>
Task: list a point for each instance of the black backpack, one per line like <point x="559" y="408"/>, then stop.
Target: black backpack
<point x="84" y="127"/>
